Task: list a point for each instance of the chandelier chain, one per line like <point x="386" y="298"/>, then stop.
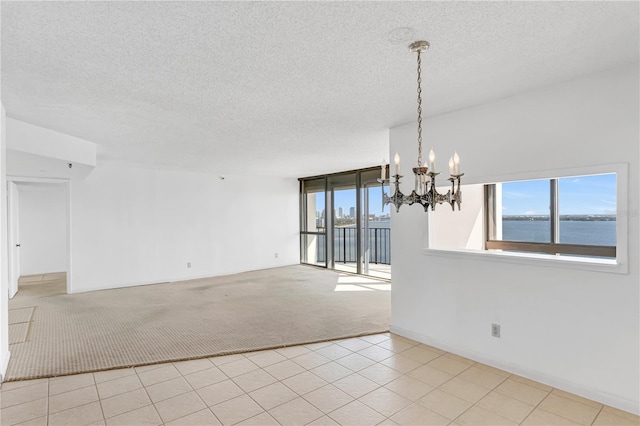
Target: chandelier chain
<point x="425" y="193"/>
<point x="419" y="110"/>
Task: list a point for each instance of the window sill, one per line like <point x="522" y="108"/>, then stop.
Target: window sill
<point x="612" y="266"/>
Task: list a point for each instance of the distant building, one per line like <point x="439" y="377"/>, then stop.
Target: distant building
<point x="340" y="212"/>
<point x="352" y="212"/>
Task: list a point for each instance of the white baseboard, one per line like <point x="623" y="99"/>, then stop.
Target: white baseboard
<point x="164" y="280"/>
<point x="4" y="363"/>
<point x="615" y="401"/>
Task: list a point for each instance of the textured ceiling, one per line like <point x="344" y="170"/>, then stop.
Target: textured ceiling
<point x="286" y="88"/>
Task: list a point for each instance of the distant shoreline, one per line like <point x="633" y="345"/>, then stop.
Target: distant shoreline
<point x="566" y="218"/>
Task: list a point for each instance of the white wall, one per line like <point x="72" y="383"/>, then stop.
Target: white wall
<point x="574" y="329"/>
<point x="4" y="276"/>
<point x="134" y="226"/>
<point x="43" y="228"/>
<point x="462" y="228"/>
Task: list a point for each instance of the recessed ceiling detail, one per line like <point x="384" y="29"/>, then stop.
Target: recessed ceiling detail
<point x="402" y="35"/>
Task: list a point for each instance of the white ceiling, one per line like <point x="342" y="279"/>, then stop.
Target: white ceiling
<point x="286" y="88"/>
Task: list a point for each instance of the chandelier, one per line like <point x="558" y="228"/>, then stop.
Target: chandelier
<point x="424" y="192"/>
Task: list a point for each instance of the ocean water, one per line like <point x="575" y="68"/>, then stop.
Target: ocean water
<point x="597" y="233"/>
<point x="602" y="233"/>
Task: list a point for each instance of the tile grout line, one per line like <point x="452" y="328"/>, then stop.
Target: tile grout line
<point x="148" y="396"/>
<point x="328" y="383"/>
<point x="475" y="403"/>
<point x="104" y="418"/>
<point x="196" y="392"/>
<point x="537" y="405"/>
<point x="379" y="386"/>
<point x="560" y="415"/>
<point x="48" y="390"/>
<point x="597" y="415"/>
<point x="264" y="410"/>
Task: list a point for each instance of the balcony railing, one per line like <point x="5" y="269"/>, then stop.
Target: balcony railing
<point x="345" y="243"/>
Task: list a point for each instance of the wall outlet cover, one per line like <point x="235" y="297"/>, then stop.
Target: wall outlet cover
<point x="495" y="330"/>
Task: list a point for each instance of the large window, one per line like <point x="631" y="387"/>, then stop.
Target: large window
<point x="344" y="225"/>
<point x="565" y="216"/>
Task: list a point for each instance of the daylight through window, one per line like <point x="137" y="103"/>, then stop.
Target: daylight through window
<point x="565" y="216"/>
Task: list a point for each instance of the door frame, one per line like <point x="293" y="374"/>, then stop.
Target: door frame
<point x="13" y="240"/>
<point x="14" y="229"/>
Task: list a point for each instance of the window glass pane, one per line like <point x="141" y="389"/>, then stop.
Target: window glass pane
<point x="344" y="208"/>
<point x="313" y="249"/>
<point x="345" y="233"/>
<point x="588" y="210"/>
<point x="525" y="211"/>
<point x="313" y="216"/>
<point x="314" y="219"/>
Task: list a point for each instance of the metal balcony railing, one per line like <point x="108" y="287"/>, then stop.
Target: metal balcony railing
<point x="345" y="242"/>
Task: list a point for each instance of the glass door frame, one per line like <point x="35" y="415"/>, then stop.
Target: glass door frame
<point x="329" y="234"/>
<point x="331" y="190"/>
<point x="303" y="225"/>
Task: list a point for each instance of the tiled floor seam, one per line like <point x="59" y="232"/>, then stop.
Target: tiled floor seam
<point x="473" y="404"/>
<point x="49" y="390"/>
<point x="199" y="397"/>
<point x="104" y="418"/>
<point x="597" y="414"/>
<point x="564" y="417"/>
<point x="536" y="406"/>
<point x="148" y="396"/>
<point x="73" y="390"/>
<point x="72" y="408"/>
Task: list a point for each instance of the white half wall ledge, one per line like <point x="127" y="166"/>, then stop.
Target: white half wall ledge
<point x="534" y="259"/>
<point x="538" y="376"/>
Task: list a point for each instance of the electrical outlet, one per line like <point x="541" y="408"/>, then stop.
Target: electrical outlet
<point x="276" y="255"/>
<point x="188" y="264"/>
<point x="495" y="330"/>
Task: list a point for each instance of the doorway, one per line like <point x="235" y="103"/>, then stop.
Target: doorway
<point x="38" y="230"/>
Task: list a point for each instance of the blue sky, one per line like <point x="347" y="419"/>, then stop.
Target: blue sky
<point x="347" y="199"/>
<point x="577" y="195"/>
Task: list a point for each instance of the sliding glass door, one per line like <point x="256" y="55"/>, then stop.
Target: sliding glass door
<point x="376" y="228"/>
<point x="345" y="221"/>
<point x="344" y="225"/>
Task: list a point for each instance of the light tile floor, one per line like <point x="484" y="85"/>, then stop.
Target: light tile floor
<point x="379" y="379"/>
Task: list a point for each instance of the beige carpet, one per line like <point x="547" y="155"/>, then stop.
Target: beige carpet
<point x="57" y="334"/>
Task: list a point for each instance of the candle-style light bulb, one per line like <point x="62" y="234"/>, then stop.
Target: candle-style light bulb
<point x="432" y="161"/>
<point x="452" y="169"/>
<point x="396" y="159"/>
<point x="383" y="166"/>
<point x="456" y="163"/>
